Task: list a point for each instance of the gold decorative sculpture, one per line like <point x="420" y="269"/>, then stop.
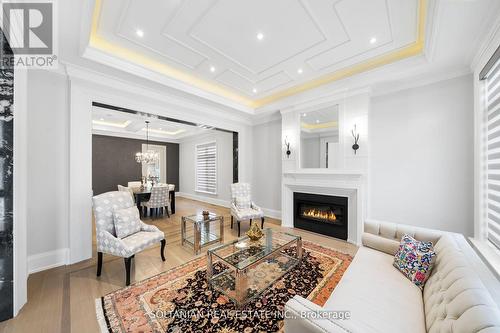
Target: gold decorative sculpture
<point x="255" y="233"/>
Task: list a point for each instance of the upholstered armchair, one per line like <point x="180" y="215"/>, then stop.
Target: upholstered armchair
<point x="242" y="206"/>
<point x="106" y="206"/>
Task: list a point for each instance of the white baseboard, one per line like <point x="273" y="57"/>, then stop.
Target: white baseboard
<point x="46" y="260"/>
<point x="202" y="198"/>
<point x="272" y="213"/>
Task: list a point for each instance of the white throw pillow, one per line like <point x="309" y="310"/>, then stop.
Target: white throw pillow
<point x="243" y="202"/>
<point x="127" y="222"/>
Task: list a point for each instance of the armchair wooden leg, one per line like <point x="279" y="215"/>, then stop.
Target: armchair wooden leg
<point x="163" y="242"/>
<point x="168" y="213"/>
<point x="232" y="221"/>
<point x="127" y="270"/>
<point x="99" y="263"/>
<point x="262" y="222"/>
<point x="250" y="222"/>
<point x="238" y="228"/>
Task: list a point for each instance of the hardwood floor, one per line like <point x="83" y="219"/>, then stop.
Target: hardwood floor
<point x="62" y="299"/>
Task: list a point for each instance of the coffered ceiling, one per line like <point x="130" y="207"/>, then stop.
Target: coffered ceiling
<point x="255" y="52"/>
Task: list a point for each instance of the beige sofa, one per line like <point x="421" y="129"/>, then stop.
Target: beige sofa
<point x="380" y="299"/>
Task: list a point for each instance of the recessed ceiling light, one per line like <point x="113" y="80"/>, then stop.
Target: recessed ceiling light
<point x="212" y="69"/>
<point x="159" y="128"/>
<point x="139" y="33"/>
<point x="260" y="36"/>
<point x="102" y="119"/>
<point x="373" y="40"/>
<point x="254" y="90"/>
<point x="304" y="114"/>
<point x="300" y="71"/>
<point x="317" y="121"/>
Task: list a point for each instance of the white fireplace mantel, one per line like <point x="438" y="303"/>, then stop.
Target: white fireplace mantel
<point x="349" y="184"/>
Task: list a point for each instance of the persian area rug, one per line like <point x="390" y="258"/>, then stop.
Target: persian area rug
<point x="180" y="300"/>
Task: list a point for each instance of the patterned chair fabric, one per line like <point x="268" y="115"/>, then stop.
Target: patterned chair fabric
<point x="104" y="205"/>
<point x="239" y="190"/>
<point x="127" y="189"/>
<point x="159" y="197"/>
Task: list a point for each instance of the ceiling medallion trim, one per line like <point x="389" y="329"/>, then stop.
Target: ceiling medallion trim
<point x="416" y="48"/>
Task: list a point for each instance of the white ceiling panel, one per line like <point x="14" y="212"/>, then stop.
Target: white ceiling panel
<point x="232" y="28"/>
<point x="235" y="80"/>
<point x="160" y="13"/>
<point x="272" y="82"/>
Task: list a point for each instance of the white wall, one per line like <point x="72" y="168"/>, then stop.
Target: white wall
<point x="266" y="179"/>
<point x="47" y="180"/>
<point x="187" y="163"/>
<point x="421" y="156"/>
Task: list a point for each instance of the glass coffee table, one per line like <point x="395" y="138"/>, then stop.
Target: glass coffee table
<point x="198" y="231"/>
<point x="252" y="266"/>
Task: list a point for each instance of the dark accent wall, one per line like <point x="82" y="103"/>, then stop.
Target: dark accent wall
<point x="6" y="186"/>
<point x="113" y="162"/>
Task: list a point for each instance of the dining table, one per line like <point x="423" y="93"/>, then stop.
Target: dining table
<point x="144" y="195"/>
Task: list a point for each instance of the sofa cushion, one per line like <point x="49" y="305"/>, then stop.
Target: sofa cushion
<point x="142" y="240"/>
<point x="455" y="299"/>
<point x="415" y="260"/>
<point x="379" y="297"/>
<point x="127" y="221"/>
<point x="385" y="245"/>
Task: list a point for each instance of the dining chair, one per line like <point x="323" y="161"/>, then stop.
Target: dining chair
<point x="138" y="235"/>
<point x="134" y="184"/>
<point x="127" y="189"/>
<point x="159" y="198"/>
<point x="242" y="206"/>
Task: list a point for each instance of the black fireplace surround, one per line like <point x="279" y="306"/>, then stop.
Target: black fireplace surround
<point x="323" y="214"/>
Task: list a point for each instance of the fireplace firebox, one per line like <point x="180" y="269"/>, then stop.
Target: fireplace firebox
<point x="323" y="214"/>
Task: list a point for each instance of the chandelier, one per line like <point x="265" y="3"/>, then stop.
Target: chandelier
<point x="150" y="156"/>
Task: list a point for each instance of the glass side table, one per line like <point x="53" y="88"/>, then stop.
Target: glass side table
<point x="198" y="231"/>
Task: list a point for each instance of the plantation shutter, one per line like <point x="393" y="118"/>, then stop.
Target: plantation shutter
<point x="206" y="168"/>
<point x="493" y="152"/>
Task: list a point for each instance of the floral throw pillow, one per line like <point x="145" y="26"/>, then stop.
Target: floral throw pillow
<point x="415" y="259"/>
<point x="127" y="222"/>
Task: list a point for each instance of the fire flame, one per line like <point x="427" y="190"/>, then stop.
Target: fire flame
<point x="320" y="214"/>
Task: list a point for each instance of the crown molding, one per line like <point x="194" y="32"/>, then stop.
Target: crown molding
<point x="421" y="80"/>
<point x="434" y="10"/>
<point x="327" y="100"/>
<point x="260" y="119"/>
<point x="488" y="45"/>
<point x="133" y="136"/>
<point x="94" y="78"/>
<point x="99" y="56"/>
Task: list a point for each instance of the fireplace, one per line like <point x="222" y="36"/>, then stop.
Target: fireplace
<point x="323" y="214"/>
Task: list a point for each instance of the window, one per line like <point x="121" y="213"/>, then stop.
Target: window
<point x="206" y="168"/>
<point x="492" y="117"/>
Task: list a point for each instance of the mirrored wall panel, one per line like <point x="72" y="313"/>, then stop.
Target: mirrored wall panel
<point x="319" y="138"/>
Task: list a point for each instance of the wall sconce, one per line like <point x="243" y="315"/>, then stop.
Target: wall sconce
<point x="288" y="152"/>
<point x="355" y="135"/>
